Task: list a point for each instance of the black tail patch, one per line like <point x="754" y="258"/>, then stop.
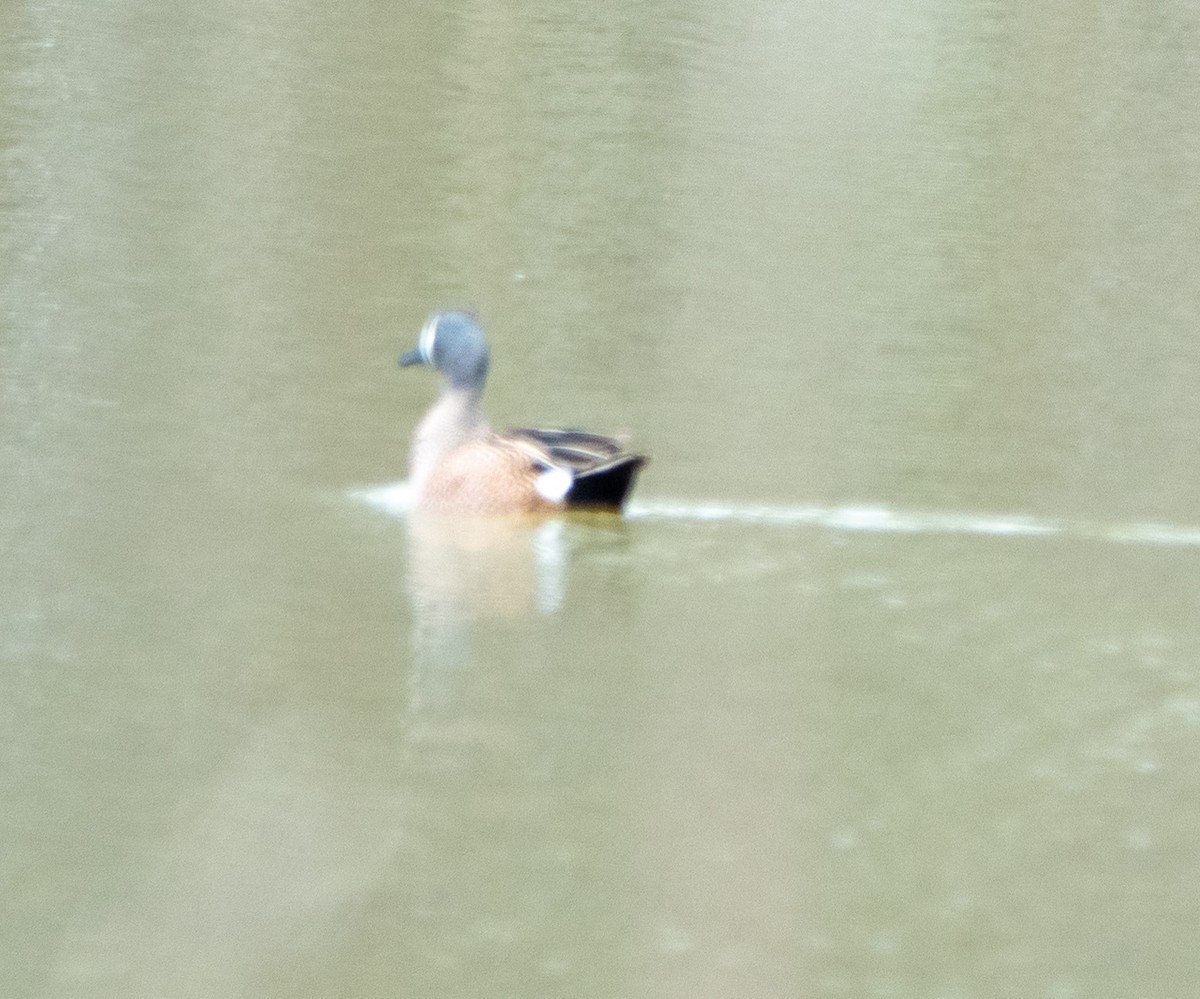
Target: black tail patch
<point x="606" y="486"/>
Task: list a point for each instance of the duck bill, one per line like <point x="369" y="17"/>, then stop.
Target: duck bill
<point x="411" y="358"/>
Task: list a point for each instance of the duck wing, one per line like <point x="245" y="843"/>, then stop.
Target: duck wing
<point x="602" y="470"/>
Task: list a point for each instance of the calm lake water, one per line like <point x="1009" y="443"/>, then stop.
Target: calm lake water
<point x="887" y="685"/>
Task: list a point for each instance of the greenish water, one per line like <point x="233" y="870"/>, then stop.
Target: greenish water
<point x="888" y="684"/>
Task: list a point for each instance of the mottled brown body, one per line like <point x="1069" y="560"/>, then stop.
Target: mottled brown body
<point x="484" y="477"/>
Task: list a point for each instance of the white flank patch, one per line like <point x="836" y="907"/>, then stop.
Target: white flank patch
<point x="554" y="484"/>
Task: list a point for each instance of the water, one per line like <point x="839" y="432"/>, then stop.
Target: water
<point x="886" y="685"/>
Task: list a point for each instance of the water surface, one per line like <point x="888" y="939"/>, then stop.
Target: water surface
<point x="887" y="684"/>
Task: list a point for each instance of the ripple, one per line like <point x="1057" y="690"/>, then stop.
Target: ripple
<point x="393" y="498"/>
<point x="881" y="519"/>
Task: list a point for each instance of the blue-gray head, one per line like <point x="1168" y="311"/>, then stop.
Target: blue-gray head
<point x="453" y="343"/>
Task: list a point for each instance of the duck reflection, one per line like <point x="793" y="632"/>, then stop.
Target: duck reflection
<point x="485" y="566"/>
<point x="464" y="569"/>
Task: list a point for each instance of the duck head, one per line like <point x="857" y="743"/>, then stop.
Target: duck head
<point x="453" y="344"/>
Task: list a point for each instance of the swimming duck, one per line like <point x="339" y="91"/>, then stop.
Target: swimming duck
<point x="459" y="465"/>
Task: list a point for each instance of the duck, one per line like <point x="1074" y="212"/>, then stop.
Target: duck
<point x="459" y="465"/>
